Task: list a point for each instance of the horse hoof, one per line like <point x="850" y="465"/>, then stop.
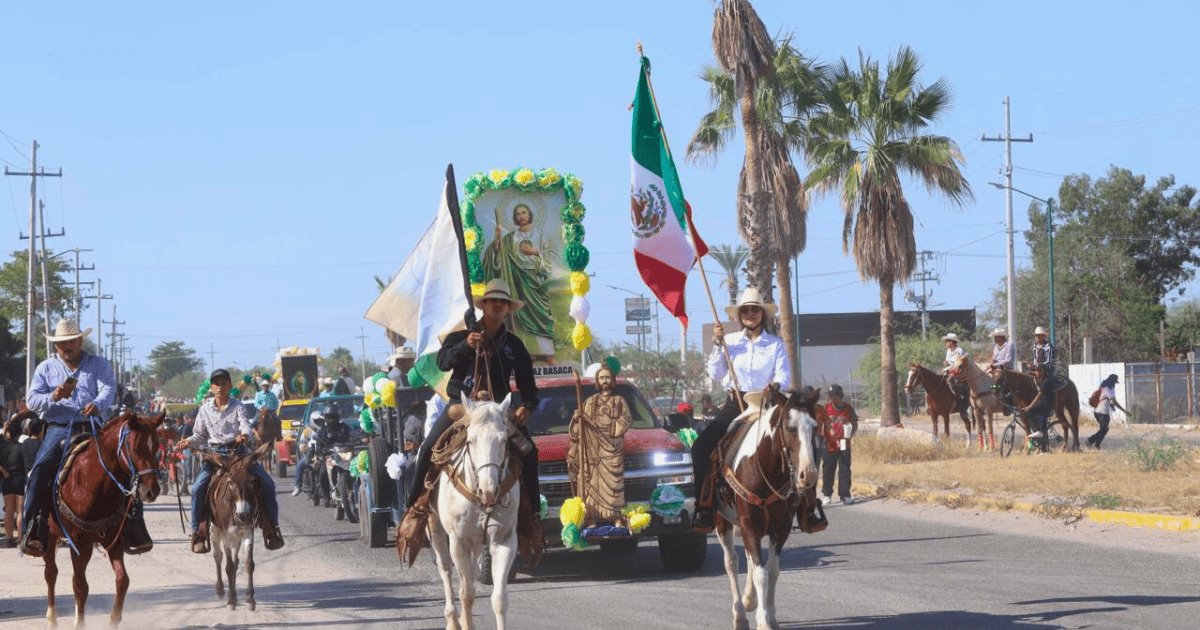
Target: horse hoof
<point x="232" y="605"/>
<point x="749" y="603"/>
<point x="251" y="605"/>
<point x="741" y="624"/>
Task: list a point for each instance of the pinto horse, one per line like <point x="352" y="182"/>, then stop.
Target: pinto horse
<point x="235" y="501"/>
<point x="118" y="465"/>
<point x="983" y="397"/>
<point x="772" y="463"/>
<point x="1022" y="389"/>
<point x="940" y="399"/>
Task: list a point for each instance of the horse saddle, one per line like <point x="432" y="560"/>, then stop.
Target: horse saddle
<point x="76" y="444"/>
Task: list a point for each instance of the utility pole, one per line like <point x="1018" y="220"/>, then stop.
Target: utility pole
<point x="44" y="262"/>
<point x="33" y="175"/>
<point x="1007" y="139"/>
<point x="99" y="297"/>
<point x="922" y="301"/>
<point x="362" y="337"/>
<point x="212" y="358"/>
<point x="112" y="352"/>
<point x="78" y="268"/>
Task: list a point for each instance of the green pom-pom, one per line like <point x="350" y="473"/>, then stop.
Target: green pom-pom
<point x="687" y="436"/>
<point x="572" y="233"/>
<point x="415" y="379"/>
<point x="572" y="538"/>
<point x="543" y="507"/>
<point x="366" y="420"/>
<point x="577" y="257"/>
<point x="466" y="209"/>
<point x="572" y="213"/>
<point x="475" y="185"/>
<point x="613" y="364"/>
<point x="235" y="392"/>
<point x="265" y="376"/>
<point x="247" y="379"/>
<point x="474" y="267"/>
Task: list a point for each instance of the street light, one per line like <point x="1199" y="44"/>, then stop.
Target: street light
<point x="641" y="304"/>
<point x="1049" y="240"/>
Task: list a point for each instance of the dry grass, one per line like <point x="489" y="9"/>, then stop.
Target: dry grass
<point x="1071" y="478"/>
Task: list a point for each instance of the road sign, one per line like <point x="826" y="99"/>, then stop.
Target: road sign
<point x="637" y="330"/>
<point x="637" y="309"/>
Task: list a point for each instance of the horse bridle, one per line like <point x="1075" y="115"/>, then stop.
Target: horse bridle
<point x="788" y="468"/>
<point x="475" y="470"/>
<point x="126" y="450"/>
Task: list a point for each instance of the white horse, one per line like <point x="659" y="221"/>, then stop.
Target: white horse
<point x="477" y="503"/>
<point x="773" y="460"/>
<point x="983" y="398"/>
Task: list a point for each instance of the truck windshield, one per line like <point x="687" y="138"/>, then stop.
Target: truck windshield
<point x="556" y="404"/>
<point x="291" y="412"/>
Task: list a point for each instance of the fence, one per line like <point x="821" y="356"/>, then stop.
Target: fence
<point x="1154" y="393"/>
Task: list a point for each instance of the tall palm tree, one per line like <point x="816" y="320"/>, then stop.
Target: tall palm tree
<point x="731" y="260"/>
<point x="875" y="132"/>
<point x="783" y="100"/>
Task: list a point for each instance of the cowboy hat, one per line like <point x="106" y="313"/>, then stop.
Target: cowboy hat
<point x="750" y="297"/>
<point x="403" y="352"/>
<point x="66" y="330"/>
<point x="1040" y="331"/>
<point x="950" y="337"/>
<point x="497" y="289"/>
<point x="1000" y="332"/>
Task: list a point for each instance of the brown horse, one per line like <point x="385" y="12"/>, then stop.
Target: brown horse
<point x="95" y="494"/>
<point x="267" y="427"/>
<point x="1022" y="389"/>
<point x="940" y="399"/>
<point x="769" y="467"/>
<point x="236" y="509"/>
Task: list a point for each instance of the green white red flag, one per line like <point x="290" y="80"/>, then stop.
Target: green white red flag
<point x="665" y="243"/>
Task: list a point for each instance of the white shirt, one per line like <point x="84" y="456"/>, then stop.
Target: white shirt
<point x="1003" y="354"/>
<point x="1107" y="396"/>
<point x="218" y="427"/>
<point x="757" y="363"/>
<point x="953" y="355"/>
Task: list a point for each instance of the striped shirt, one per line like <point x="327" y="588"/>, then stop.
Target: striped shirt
<point x="94" y="384"/>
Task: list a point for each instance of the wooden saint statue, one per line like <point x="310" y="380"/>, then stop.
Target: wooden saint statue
<point x="596" y="459"/>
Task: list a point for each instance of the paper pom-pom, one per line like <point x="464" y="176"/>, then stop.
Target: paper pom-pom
<point x="360" y="465"/>
<point x="415" y="379"/>
<point x="543" y="506"/>
<point x="638" y="522"/>
<point x="572" y="232"/>
<point x="247" y="379"/>
<point x="393" y="466"/>
<point x="577" y="257"/>
<point x="581" y="337"/>
<point x="580" y="308"/>
<point x="581" y="283"/>
<point x="572" y="538"/>
<point x="235" y="392"/>
<point x="687" y="435"/>
<point x="666" y="500"/>
<point x="571" y="512"/>
<point x="388" y="397"/>
<point x="372" y="400"/>
<point x="366" y="420"/>
<point x="613" y="364"/>
<point x="478" y="288"/>
<point x="572" y="213"/>
<point x="377" y="382"/>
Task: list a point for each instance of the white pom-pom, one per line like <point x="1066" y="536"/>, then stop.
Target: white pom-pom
<point x="580" y="308"/>
<point x="590" y="371"/>
<point x="393" y="466"/>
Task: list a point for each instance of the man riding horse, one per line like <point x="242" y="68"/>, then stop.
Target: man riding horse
<point x="1002" y="352"/>
<point x="953" y="354"/>
<point x="223" y="424"/>
<point x="69" y="389"/>
<point x="759" y="360"/>
<point x="1043" y="353"/>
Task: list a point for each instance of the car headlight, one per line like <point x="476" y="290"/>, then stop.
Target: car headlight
<point x="671" y="458"/>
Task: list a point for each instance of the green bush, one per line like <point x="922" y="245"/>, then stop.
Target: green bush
<point x="1102" y="501"/>
<point x="1160" y="454"/>
<point x="909" y="348"/>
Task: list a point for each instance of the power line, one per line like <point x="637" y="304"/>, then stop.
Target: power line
<point x="12" y="143"/>
<point x="1187" y="114"/>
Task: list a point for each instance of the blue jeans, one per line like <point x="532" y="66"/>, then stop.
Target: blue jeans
<point x="200" y="493"/>
<point x="45" y="467"/>
<point x="301" y="464"/>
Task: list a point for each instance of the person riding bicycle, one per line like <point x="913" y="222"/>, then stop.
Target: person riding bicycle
<point x="223" y="424"/>
<point x="953" y="355"/>
<point x="1039" y="409"/>
<point x="759" y="360"/>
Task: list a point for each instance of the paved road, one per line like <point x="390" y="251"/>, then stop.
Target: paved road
<point x="880" y="565"/>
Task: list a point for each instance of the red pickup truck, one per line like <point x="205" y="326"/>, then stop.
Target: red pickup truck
<point x="653" y="457"/>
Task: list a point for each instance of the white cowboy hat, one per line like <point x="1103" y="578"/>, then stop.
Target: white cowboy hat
<point x="950" y="337"/>
<point x="497" y="289"/>
<point x="1040" y="331"/>
<point x="403" y="352"/>
<point x="1000" y="332"/>
<point x="66" y="330"/>
<point x="750" y="297"/>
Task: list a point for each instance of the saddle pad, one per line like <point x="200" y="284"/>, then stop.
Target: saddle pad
<point x="75" y="445"/>
<point x="732" y="439"/>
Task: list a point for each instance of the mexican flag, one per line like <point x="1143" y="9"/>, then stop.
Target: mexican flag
<point x="665" y="243"/>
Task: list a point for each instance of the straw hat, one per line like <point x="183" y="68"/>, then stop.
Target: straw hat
<point x="1000" y="332"/>
<point x="1040" y="331"/>
<point x="950" y="337"/>
<point x="750" y="297"/>
<point x="403" y="352"/>
<point x="497" y="289"/>
<point x="66" y="330"/>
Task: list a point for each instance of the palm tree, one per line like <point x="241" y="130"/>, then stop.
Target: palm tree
<point x="783" y="100"/>
<point x="731" y="260"/>
<point x="873" y="133"/>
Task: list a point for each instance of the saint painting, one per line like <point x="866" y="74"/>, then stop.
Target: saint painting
<point x="522" y="258"/>
<point x="596" y="459"/>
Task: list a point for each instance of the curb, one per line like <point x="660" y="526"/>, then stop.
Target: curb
<point x="1048" y="509"/>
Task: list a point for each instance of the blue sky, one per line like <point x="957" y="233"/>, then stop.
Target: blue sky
<point x="244" y="169"/>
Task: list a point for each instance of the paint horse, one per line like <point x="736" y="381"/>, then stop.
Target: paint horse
<point x="984" y="400"/>
<point x="940" y="399"/>
<point x="1021" y="389"/>
<point x="764" y="473"/>
<point x="100" y="479"/>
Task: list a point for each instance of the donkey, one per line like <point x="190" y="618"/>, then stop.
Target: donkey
<point x="983" y="398"/>
<point x="92" y="501"/>
<point x="235" y="505"/>
<point x="772" y="464"/>
<point x="940" y="400"/>
<point x="477" y="501"/>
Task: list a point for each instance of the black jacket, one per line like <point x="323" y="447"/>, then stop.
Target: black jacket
<point x="510" y="359"/>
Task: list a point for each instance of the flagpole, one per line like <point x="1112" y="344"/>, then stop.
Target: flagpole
<point x="456" y="219"/>
<point x="737" y="388"/>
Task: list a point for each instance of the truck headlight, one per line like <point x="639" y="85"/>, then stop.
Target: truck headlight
<point x="671" y="458"/>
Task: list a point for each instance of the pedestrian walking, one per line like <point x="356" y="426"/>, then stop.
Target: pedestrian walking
<point x="1103" y="411"/>
<point x="12" y="478"/>
<point x="838" y="430"/>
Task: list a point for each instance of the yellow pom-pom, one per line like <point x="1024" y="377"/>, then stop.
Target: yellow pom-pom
<point x="638" y="522"/>
<point x="572" y="512"/>
<point x="477" y="288"/>
<point x="470" y="239"/>
<point x="581" y="337"/>
<point x="372" y="400"/>
<point x="525" y="177"/>
<point x="576" y="184"/>
<point x="549" y="177"/>
<point x="581" y="283"/>
<point x="498" y="176"/>
<point x="388" y="397"/>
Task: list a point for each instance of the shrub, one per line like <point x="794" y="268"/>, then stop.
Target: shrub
<point x="1160" y="454"/>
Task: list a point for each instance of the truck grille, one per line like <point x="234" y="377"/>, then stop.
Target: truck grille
<point x="636" y="490"/>
<point x="637" y="461"/>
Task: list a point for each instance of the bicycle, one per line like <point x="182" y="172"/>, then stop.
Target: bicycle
<point x="1054" y="434"/>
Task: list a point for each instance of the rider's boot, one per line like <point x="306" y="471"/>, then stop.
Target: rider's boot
<point x="137" y="538"/>
<point x="33" y="540"/>
<point x="272" y="538"/>
<point x="704" y="518"/>
<point x="200" y="538"/>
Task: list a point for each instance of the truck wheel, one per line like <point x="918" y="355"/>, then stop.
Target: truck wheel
<point x="682" y="552"/>
<point x="346" y="497"/>
<point x="385" y="490"/>
<point x="619" y="547"/>
<point x="372" y="525"/>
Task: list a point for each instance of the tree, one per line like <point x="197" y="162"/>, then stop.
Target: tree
<point x="12" y="361"/>
<point x="182" y="386"/>
<point x="731" y="260"/>
<point x="1183" y="326"/>
<point x="873" y="133"/>
<point x="337" y="358"/>
<point x="172" y="358"/>
<point x="776" y="102"/>
<point x="13" y="296"/>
